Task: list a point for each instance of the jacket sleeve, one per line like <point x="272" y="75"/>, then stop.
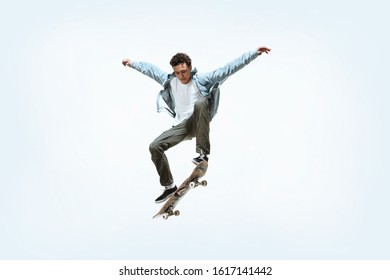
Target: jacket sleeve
<point x="151" y="71"/>
<point x="221" y="74"/>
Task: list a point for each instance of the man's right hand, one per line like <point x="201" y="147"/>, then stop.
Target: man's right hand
<point x="126" y="62"/>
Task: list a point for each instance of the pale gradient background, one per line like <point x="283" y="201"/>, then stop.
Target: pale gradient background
<point x="300" y="157"/>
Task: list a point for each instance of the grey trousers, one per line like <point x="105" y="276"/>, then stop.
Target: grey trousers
<point x="198" y="125"/>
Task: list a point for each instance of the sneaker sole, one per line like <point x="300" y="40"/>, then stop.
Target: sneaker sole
<point x="164" y="199"/>
<point x="197" y="162"/>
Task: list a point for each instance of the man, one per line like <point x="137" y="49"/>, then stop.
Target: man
<point x="192" y="100"/>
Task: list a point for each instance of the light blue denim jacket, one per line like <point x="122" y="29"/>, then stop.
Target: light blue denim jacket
<point x="207" y="83"/>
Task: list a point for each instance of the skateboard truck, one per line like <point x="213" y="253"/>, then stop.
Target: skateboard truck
<point x="203" y="183"/>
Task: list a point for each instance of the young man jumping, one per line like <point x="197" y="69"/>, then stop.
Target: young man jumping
<point x="192" y="99"/>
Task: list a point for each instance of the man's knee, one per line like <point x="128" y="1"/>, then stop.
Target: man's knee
<point x="157" y="147"/>
<point x="154" y="147"/>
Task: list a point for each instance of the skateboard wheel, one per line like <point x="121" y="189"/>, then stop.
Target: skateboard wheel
<point x="192" y="185"/>
<point x="176" y="213"/>
<point x="204" y="183"/>
<point x="165" y="216"/>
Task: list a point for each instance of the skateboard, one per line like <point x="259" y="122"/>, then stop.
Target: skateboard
<point x="191" y="182"/>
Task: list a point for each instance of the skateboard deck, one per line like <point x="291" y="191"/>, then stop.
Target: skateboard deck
<point x="191" y="182"/>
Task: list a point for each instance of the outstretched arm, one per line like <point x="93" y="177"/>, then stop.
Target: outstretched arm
<point x="147" y="69"/>
<point x="221" y="74"/>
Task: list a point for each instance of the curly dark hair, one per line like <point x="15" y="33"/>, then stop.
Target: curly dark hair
<point x="180" y="58"/>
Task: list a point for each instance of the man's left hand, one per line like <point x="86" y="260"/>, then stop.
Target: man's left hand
<point x="263" y="49"/>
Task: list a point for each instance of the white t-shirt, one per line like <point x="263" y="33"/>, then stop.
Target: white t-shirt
<point x="184" y="96"/>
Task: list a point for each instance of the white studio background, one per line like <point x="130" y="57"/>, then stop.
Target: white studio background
<point x="299" y="163"/>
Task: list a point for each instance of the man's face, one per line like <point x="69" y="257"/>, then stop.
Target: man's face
<point x="182" y="72"/>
